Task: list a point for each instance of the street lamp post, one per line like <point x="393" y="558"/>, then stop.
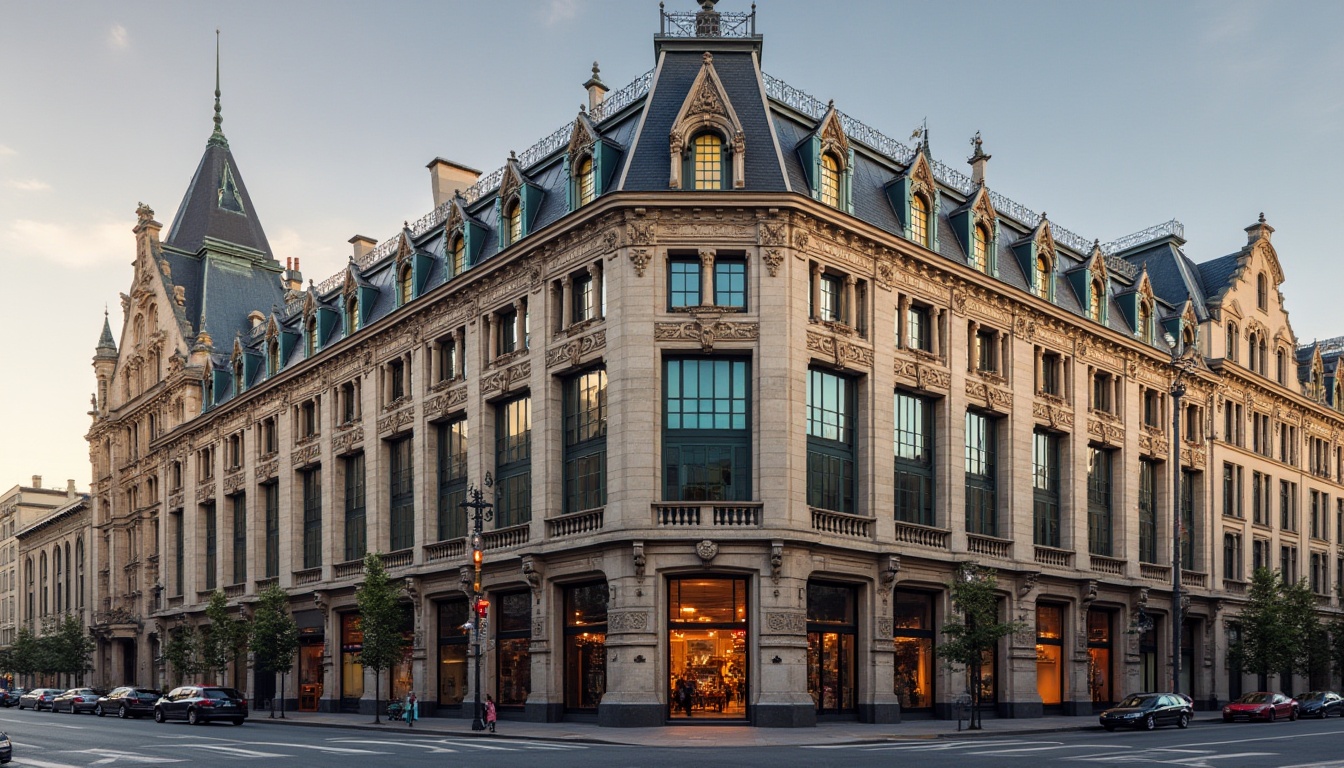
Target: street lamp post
<point x="480" y="511"/>
<point x="1181" y="364"/>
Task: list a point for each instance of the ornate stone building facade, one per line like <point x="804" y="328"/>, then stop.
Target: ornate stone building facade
<point x="20" y="507"/>
<point x="744" y="379"/>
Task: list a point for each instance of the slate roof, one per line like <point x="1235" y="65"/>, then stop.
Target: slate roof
<point x="215" y="189"/>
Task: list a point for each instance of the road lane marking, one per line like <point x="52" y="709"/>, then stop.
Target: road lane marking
<point x="422" y="744"/>
<point x="112" y="755"/>
<point x="26" y="762"/>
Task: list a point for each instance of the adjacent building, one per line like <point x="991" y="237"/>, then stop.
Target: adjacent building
<point x="21" y="507"/>
<point x="744" y="379"/>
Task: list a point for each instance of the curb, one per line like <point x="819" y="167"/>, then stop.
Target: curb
<point x="469" y="734"/>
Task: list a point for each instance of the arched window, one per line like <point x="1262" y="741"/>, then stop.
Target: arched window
<point x="919" y="220"/>
<point x="1264" y="356"/>
<point x="830" y="180"/>
<point x="405" y="285"/>
<point x="1232" y="339"/>
<point x="1280" y="366"/>
<point x="238" y="382"/>
<point x="59" y="570"/>
<point x="272" y="357"/>
<point x="79" y="573"/>
<point x="980" y="250"/>
<point x="1250" y="350"/>
<point x="587" y="183"/>
<point x="1146" y="322"/>
<point x="310" y="336"/>
<point x="1042" y="285"/>
<point x="707" y="161"/>
<point x="352" y="315"/>
<point x="459" y="255"/>
<point x="1262" y="291"/>
<point x="514" y="215"/>
<point x="1188" y="337"/>
<point x="42" y="582"/>
<point x="1096" y="301"/>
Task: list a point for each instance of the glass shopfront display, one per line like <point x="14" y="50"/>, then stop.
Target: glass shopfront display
<point x="453" y="644"/>
<point x="585" y="646"/>
<point x="512" y="616"/>
<point x="399" y="677"/>
<point x="352" y="672"/>
<point x="310" y="674"/>
<point x="914" y="638"/>
<point x="1148" y="660"/>
<point x="831" y="628"/>
<point x="1188" y="658"/>
<point x="1099" y="658"/>
<point x="1050" y="654"/>
<point x="707" y="647"/>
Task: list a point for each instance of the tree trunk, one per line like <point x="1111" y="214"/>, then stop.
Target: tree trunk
<point x="283" y="676"/>
<point x="377" y="686"/>
<point x="975" y="697"/>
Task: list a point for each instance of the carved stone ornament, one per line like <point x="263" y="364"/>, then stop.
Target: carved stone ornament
<point x="1030" y="582"/>
<point x="347" y="441"/>
<point x="641" y="233"/>
<point x="776" y="560"/>
<point x="610" y="240"/>
<point x="396" y="421"/>
<point x="637" y="556"/>
<point x="786" y="623"/>
<point x="891" y="568"/>
<point x="707" y="550"/>
<point x="501" y="381"/>
<point x="707" y="332"/>
<point x="534" y="572"/>
<point x="466" y="578"/>
<point x="442" y="403"/>
<point x="773" y="258"/>
<point x="640" y="257"/>
<point x="573" y="351"/>
<point x="771" y="233"/>
<point x="842" y="352"/>
<point x="627" y="621"/>
<point x="998" y="399"/>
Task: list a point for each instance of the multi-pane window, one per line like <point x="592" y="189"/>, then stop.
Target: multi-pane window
<point x="1318" y="456"/>
<point x="239" y="539"/>
<point x="1147" y="511"/>
<point x="271" y="492"/>
<point x="1041" y="283"/>
<point x="1189" y="482"/>
<point x="1232" y="490"/>
<point x="831" y="292"/>
<point x="1232" y="556"/>
<point x="353" y="321"/>
<point x="1319" y="573"/>
<point x="347" y="397"/>
<point x="211" y="544"/>
<point x="396" y="381"/>
<point x="401" y="489"/>
<point x="452" y="472"/>
<point x="918" y="330"/>
<point x="980" y="250"/>
<point x="707" y="160"/>
<point x="1288" y="563"/>
<point x="312" y="518"/>
<point x="1045" y="488"/>
<point x="1320" y="505"/>
<point x="683" y="282"/>
<point x="1287" y="505"/>
<point x="581" y="299"/>
<point x="830" y="180"/>
<point x="1051" y="375"/>
<point x="513" y="462"/>
<point x="1104" y="387"/>
<point x="587" y="185"/>
<point x="1260" y="494"/>
<point x="986" y="351"/>
<point x="919" y="220"/>
<point x="514" y="216"/>
<point x="730" y="282"/>
<point x="179" y="558"/>
<point x="981" y="485"/>
<point x="830" y="441"/>
<point x="508" y="331"/>
<point x="1234" y="423"/>
<point x="1096" y="301"/>
<point x="586" y="441"/>
<point x="1288" y="444"/>
<point x="405" y="285"/>
<point x="356" y="528"/>
<point x="459" y="255"/>
<point x="706" y="429"/>
<point x="1260" y="554"/>
<point x="1100" y="527"/>
<point x="1260" y="432"/>
<point x="914" y="447"/>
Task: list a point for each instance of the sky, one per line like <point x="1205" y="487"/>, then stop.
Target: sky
<point x="1111" y="117"/>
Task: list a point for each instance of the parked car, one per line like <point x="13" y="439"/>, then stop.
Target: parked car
<point x="75" y="700"/>
<point x="199" y="704"/>
<point x="1320" y="704"/>
<point x="1147" y="711"/>
<point x="10" y="697"/>
<point x="6" y="748"/>
<point x="1261" y="705"/>
<point x="39" y="698"/>
<point x="127" y="701"/>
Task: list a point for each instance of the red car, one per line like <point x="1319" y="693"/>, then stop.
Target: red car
<point x="1261" y="705"/>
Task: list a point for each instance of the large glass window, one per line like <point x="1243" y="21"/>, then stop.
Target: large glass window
<point x="452" y="472"/>
<point x="211" y="545"/>
<point x="1099" y="669"/>
<point x="271" y="492"/>
<point x="401" y="489"/>
<point x="914" y="638"/>
<point x="513" y="462"/>
<point x="1050" y="654"/>
<point x="585" y="645"/>
<point x="730" y="282"/>
<point x="830" y="441"/>
<point x="352" y="672"/>
<point x="706" y="429"/>
<point x="312" y="518"/>
<point x="707" y="161"/>
<point x="1099" y="516"/>
<point x="586" y="440"/>
<point x="832" y="625"/>
<point x="707" y="647"/>
<point x="981" y="486"/>
<point x="830" y="180"/>
<point x="513" y="642"/>
<point x="919" y="220"/>
<point x="239" y="539"/>
<point x="1045" y="488"/>
<point x="355" y="527"/>
<point x="683" y="281"/>
<point x="914" y="445"/>
<point x="1147" y="511"/>
<point x="453" y="644"/>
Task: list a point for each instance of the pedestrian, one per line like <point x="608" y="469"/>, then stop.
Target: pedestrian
<point x="490" y="712"/>
<point x="412" y="712"/>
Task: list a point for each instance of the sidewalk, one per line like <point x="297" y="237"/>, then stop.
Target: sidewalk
<point x="824" y="734"/>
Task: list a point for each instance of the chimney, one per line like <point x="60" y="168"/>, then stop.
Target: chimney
<point x="363" y="245"/>
<point x="70" y="488"/>
<point x="37" y="481"/>
<point x="1258" y="231"/>
<point x="293" y="279"/>
<point x="978" y="161"/>
<point x="447" y="177"/>
<point x="597" y="90"/>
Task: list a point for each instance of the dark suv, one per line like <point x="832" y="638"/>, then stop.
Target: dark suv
<point x="199" y="704"/>
<point x="127" y="701"/>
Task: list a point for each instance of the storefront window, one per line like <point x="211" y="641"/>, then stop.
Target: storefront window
<point x="585" y="645"/>
<point x="707" y="623"/>
<point x="1050" y="654"/>
<point x="831" y="628"/>
<point x="1188" y="658"/>
<point x="310" y="676"/>
<point x="1099" y="657"/>
<point x="399" y="679"/>
<point x="914" y="650"/>
<point x="453" y="644"/>
<point x="352" y="672"/>
<point x="1148" y="660"/>
<point x="513" y="639"/>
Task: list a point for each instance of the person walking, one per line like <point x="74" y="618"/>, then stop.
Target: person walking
<point x="412" y="710"/>
<point x="490" y="712"/>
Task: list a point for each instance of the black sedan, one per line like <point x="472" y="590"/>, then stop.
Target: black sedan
<point x="6" y="748"/>
<point x="10" y="697"/>
<point x="127" y="701"/>
<point x="75" y="700"/>
<point x="1320" y="704"/>
<point x="1147" y="711"/>
<point x="199" y="704"/>
<point x="39" y="698"/>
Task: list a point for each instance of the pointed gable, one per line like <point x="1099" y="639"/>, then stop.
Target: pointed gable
<point x="828" y="140"/>
<point x="917" y="181"/>
<point x="515" y="188"/>
<point x="707" y="108"/>
<point x="1036" y="245"/>
<point x="978" y="213"/>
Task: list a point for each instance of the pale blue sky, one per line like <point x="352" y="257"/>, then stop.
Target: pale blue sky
<point x="1110" y="116"/>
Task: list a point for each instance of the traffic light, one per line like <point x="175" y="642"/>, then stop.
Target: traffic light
<point x="482" y="607"/>
<point x="476" y="557"/>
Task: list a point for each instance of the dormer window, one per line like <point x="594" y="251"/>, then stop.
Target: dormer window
<point x="979" y="249"/>
<point x="1233" y="339"/>
<point x="352" y="320"/>
<point x="587" y="182"/>
<point x="513" y="214"/>
<point x="1097" y="302"/>
<point x="1188" y="338"/>
<point x="1262" y="292"/>
<point x="405" y="285"/>
<point x="707" y="162"/>
<point x="1041" y="285"/>
<point x="272" y="357"/>
<point x="239" y="383"/>
<point x="1146" y="322"/>
<point x="310" y="337"/>
<point x="459" y="255"/>
<point x="919" y="220"/>
<point x="830" y="180"/>
<point x="1281" y="366"/>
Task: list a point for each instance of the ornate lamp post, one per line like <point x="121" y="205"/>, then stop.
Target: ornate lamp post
<point x="1182" y="363"/>
<point x="480" y="511"/>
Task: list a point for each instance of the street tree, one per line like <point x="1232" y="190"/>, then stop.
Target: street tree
<point x="975" y="629"/>
<point x="225" y="638"/>
<point x="72" y="648"/>
<point x="25" y="654"/>
<point x="275" y="638"/>
<point x="381" y="619"/>
<point x="1309" y="643"/>
<point x="1267" y="639"/>
<point x="183" y="651"/>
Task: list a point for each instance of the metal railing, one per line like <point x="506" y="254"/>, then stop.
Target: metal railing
<point x="707" y="23"/>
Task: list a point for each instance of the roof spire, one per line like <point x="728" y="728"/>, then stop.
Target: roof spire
<point x="218" y="136"/>
<point x="107" y="346"/>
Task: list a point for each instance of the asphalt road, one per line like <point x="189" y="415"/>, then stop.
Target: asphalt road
<point x="43" y="740"/>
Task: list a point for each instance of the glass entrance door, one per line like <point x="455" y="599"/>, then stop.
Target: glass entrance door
<point x="707" y="648"/>
<point x="831" y="630"/>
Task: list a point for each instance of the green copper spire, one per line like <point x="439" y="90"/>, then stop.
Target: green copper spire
<point x="218" y="136"/>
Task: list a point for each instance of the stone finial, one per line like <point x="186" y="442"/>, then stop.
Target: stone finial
<point x="978" y="160"/>
<point x="1260" y="230"/>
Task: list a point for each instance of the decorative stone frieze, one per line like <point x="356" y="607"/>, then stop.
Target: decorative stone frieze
<point x="707" y="331"/>
<point x="843" y="353"/>
<point x="574" y="351"/>
<point x="504" y="380"/>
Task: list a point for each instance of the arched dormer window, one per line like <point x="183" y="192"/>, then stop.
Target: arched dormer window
<point x="1188" y="337"/>
<point x="459" y="255"/>
<point x="1317" y="382"/>
<point x="1262" y="292"/>
<point x="587" y="181"/>
<point x="919" y="220"/>
<point x="980" y="249"/>
<point x="352" y="323"/>
<point x="239" y="378"/>
<point x="1044" y="271"/>
<point x="1281" y="366"/>
<point x="1096" y="301"/>
<point x="1146" y="322"/>
<point x="272" y="357"/>
<point x="707" y="162"/>
<point x="1337" y="394"/>
<point x="513" y="216"/>
<point x="1233" y="338"/>
<point x="310" y="336"/>
<point x="405" y="285"/>
<point x="830" y="180"/>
